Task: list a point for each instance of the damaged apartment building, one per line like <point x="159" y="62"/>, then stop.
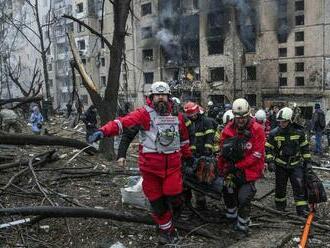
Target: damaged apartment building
<point x="270" y="52"/>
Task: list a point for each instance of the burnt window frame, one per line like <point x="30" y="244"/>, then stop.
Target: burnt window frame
<point x="299" y="5"/>
<point x="146" y="11"/>
<point x="282" y="81"/>
<point x="103" y="62"/>
<point x="213" y="77"/>
<point x="148" y="80"/>
<point x="299" y="36"/>
<point x="251" y="75"/>
<point x="298" y="52"/>
<point x="80" y="7"/>
<point x="103" y="80"/>
<point x="283" y="66"/>
<point x="282" y="49"/>
<point x="299" y="66"/>
<point x="299" y="20"/>
<point x="299" y="83"/>
<point x="220" y="47"/>
<point x="146" y="32"/>
<point x="144" y="55"/>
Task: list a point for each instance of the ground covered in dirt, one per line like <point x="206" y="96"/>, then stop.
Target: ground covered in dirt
<point x="80" y="180"/>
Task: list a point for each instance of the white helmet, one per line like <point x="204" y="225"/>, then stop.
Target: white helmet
<point x="210" y="103"/>
<point x="176" y="100"/>
<point x="285" y="114"/>
<point x="261" y="115"/>
<point x="227" y="116"/>
<point x="241" y="107"/>
<point x="160" y="88"/>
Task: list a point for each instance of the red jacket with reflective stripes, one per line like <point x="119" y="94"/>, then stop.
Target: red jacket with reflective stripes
<point x="254" y="154"/>
<point x="158" y="163"/>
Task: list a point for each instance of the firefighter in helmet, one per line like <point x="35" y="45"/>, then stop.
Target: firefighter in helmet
<point x="164" y="143"/>
<point x="287" y="152"/>
<point x="241" y="162"/>
<point x="261" y="118"/>
<point x="202" y="145"/>
<point x="226" y="118"/>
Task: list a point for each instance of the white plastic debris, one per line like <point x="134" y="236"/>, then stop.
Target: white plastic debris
<point x="63" y="155"/>
<point x="14" y="223"/>
<point x="133" y="194"/>
<point x="296" y="239"/>
<point x="45" y="228"/>
<point x="118" y="245"/>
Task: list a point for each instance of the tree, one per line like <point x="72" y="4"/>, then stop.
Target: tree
<point x="34" y="31"/>
<point x="107" y="105"/>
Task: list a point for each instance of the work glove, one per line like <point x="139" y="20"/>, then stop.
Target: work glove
<point x="271" y="167"/>
<point x="97" y="135"/>
<point x="122" y="162"/>
<point x="229" y="181"/>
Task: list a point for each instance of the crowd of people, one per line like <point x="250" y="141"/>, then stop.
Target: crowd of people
<point x="225" y="151"/>
<point x="228" y="152"/>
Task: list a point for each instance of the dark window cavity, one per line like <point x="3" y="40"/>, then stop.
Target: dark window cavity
<point x="282" y="52"/>
<point x="148" y="77"/>
<point x="300" y="66"/>
<point x="300" y="81"/>
<point x="147" y="54"/>
<point x="217" y="74"/>
<point x="251" y="73"/>
<point x="300" y="20"/>
<point x="299" y="51"/>
<point x="146" y="32"/>
<point x="145" y="9"/>
<point x="282" y="67"/>
<point x="299" y="36"/>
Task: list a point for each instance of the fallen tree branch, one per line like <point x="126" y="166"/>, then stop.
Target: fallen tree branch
<point x="265" y="195"/>
<point x="24" y="162"/>
<point x="46" y="158"/>
<point x="67" y="212"/>
<point x="15" y="139"/>
<point x="291" y="216"/>
<point x="35" y="178"/>
<point x="21" y="100"/>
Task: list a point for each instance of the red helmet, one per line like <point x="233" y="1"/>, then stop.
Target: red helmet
<point x="191" y="108"/>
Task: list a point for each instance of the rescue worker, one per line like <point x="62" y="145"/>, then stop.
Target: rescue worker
<point x="9" y="120"/>
<point x="203" y="141"/>
<point x="129" y="134"/>
<point x="261" y="118"/>
<point x="36" y="120"/>
<point x="287" y="152"/>
<point x="90" y="120"/>
<point x="227" y="117"/>
<point x="164" y="143"/>
<point x="241" y="163"/>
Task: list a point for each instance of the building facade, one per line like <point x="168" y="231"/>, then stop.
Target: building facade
<point x="270" y="52"/>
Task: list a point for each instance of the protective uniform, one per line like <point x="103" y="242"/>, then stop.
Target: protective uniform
<point x="289" y="150"/>
<point x="241" y="163"/>
<point x="90" y="120"/>
<point x="164" y="141"/>
<point x="227" y="117"/>
<point x="202" y="143"/>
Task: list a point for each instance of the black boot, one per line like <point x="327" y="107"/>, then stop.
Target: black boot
<point x="167" y="237"/>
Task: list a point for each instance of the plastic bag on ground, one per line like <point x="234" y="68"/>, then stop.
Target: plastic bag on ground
<point x="133" y="194"/>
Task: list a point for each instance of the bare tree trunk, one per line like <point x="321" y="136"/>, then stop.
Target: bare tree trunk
<point x="108" y="108"/>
